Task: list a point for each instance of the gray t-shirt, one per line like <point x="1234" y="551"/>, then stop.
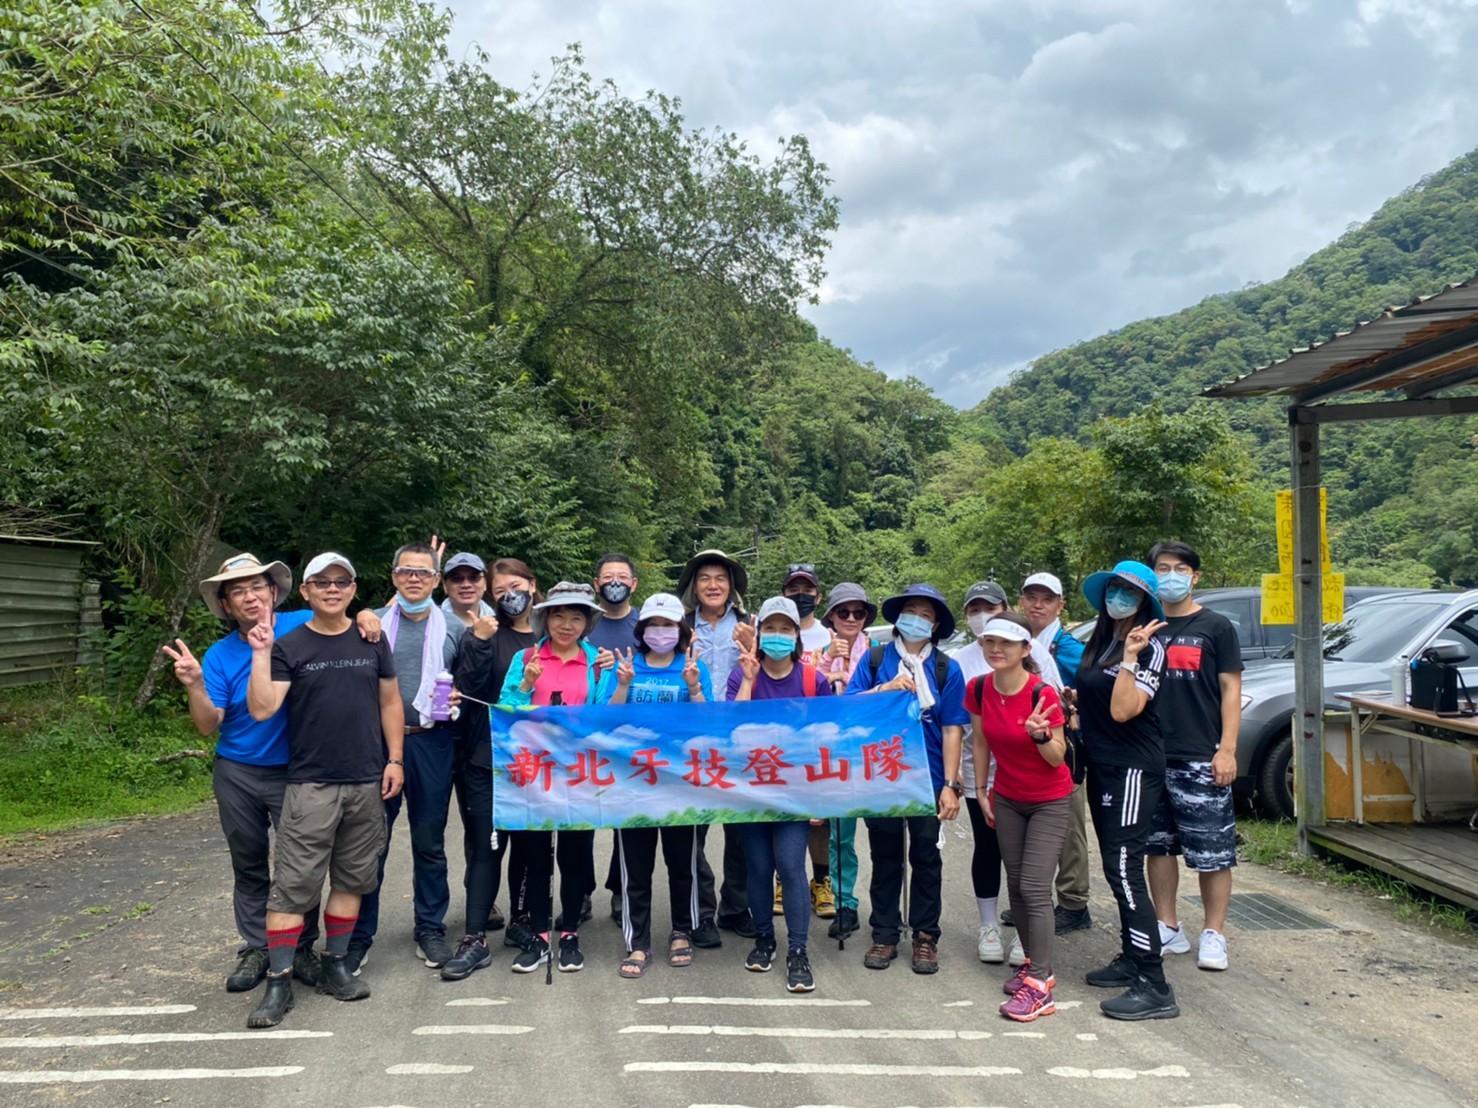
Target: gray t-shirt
<point x="410" y="644"/>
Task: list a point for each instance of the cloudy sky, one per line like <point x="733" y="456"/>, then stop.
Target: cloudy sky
<point x="1019" y="175"/>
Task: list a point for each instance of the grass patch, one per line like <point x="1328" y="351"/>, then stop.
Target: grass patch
<point x="97" y="910"/>
<point x="1275" y="844"/>
<point x="142" y="908"/>
<point x="68" y="758"/>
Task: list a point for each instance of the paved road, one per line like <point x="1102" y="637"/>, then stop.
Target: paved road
<point x="1366" y="1012"/>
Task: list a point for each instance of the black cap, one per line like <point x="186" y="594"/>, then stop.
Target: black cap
<point x="986" y="590"/>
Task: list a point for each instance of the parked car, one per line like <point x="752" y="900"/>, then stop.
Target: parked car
<point x="1359" y="652"/>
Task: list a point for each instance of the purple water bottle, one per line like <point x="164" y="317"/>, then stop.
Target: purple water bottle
<point x="440" y="709"/>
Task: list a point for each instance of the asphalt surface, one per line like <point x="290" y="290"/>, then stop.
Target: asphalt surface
<point x="114" y="945"/>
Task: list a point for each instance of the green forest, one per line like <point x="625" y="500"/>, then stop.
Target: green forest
<point x="252" y="301"/>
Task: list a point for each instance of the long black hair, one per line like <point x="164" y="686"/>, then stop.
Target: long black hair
<point x="1103" y="638"/>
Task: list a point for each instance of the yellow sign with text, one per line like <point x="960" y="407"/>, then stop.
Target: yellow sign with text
<point x="1284" y="519"/>
<point x="1278" y="591"/>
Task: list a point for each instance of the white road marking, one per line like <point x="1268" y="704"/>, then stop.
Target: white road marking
<point x="1118" y="1073"/>
<point x="55" y="1041"/>
<point x="759" y="1001"/>
<point x="473" y="1029"/>
<point x="58" y="1077"/>
<point x="477" y="1001"/>
<point x="93" y="1013"/>
<point x="425" y="1069"/>
<point x="1065" y="1004"/>
<point x="1087" y="1037"/>
<point x="960" y="1004"/>
<point x="807" y="1032"/>
<point x="830" y="1069"/>
<point x="1024" y="1034"/>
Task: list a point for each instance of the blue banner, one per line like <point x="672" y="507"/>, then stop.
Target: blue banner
<point x="653" y="765"/>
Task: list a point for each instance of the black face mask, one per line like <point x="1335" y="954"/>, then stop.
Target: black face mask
<point x="614" y="592"/>
<point x="516" y="603"/>
<point x="804" y="603"/>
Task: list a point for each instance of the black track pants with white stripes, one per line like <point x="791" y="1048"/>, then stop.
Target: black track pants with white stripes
<point x="1121" y="801"/>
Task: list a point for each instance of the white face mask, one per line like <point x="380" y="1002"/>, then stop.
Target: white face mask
<point x="977" y="622"/>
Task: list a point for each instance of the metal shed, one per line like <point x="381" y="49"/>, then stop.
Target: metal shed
<point x="45" y="607"/>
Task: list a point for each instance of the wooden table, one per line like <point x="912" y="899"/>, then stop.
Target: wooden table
<point x="1370" y="716"/>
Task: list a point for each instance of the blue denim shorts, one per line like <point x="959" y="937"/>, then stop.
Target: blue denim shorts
<point x="1194" y="818"/>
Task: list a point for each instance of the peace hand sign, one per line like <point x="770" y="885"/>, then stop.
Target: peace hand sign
<point x="749" y="663"/>
<point x="691" y="675"/>
<point x="438" y="551"/>
<point x="1039" y="723"/>
<point x="186" y="668"/>
<point x="1139" y="637"/>
<point x="625" y="667"/>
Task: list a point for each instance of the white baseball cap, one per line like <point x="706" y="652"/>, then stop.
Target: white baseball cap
<point x="1048" y="581"/>
<point x="663" y="604"/>
<point x="779" y="606"/>
<point x="323" y="561"/>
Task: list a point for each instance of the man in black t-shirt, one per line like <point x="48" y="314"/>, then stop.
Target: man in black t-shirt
<point x="1200" y="706"/>
<point x="343" y="715"/>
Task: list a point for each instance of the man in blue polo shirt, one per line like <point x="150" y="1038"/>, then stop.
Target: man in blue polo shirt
<point x="250" y="772"/>
<point x="912" y="662"/>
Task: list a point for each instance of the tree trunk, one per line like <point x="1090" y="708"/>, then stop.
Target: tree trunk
<point x="201" y="543"/>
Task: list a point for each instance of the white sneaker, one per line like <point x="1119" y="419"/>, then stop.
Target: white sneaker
<point x="1018" y="956"/>
<point x="1173" y="940"/>
<point x="1213" y="953"/>
<point x="990" y="947"/>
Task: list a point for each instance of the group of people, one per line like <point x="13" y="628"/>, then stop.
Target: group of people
<point x="326" y="724"/>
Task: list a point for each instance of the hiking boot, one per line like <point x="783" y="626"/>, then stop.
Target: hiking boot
<point x="779" y="907"/>
<point x="1032" y="1000"/>
<point x="1118" y="974"/>
<point x="880" y="955"/>
<point x="534" y="954"/>
<point x="925" y="954"/>
<point x="823" y="901"/>
<point x="249" y="971"/>
<point x="1017" y="957"/>
<point x="356" y="958"/>
<point x="706" y="937"/>
<point x="275" y="1003"/>
<point x="1213" y="952"/>
<point x="472" y="954"/>
<point x="990" y="948"/>
<point x="434" y="950"/>
<point x="1008" y="919"/>
<point x="1173" y="940"/>
<point x="338" y="979"/>
<point x="1071" y="919"/>
<point x="496" y="922"/>
<point x="1013" y="986"/>
<point x="307" y="967"/>
<point x="762" y="957"/>
<point x="518" y="934"/>
<point x="844" y="924"/>
<point x="1143" y="1001"/>
<point x="586" y="911"/>
<point x="571" y="960"/>
<point x="798" y="977"/>
<point x="743" y="926"/>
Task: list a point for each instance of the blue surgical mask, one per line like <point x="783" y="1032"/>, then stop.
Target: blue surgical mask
<point x="777" y="646"/>
<point x="412" y="609"/>
<point x="1172" y="587"/>
<point x="1119" y="602"/>
<point x="914" y="628"/>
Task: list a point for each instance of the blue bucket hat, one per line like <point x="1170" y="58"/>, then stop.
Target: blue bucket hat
<point x="1136" y="575"/>
<point x="944" y="621"/>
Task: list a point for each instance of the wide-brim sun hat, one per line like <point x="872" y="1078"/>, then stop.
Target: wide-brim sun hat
<point x="849" y="592"/>
<point x="944" y="620"/>
<point x="566" y="594"/>
<point x="663" y="604"/>
<point x="738" y="575"/>
<point x="1136" y="575"/>
<point x="244" y="565"/>
<point x="780" y="606"/>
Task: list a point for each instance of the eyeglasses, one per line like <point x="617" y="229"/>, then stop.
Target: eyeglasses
<point x="800" y="567"/>
<point x="413" y="573"/>
<point x="850" y="613"/>
<point x="616" y="579"/>
<point x="464" y="578"/>
<point x="332" y="584"/>
<point x="238" y="594"/>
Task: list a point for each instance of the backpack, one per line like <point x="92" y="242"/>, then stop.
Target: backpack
<point x="1072" y="757"/>
<point x="941" y="664"/>
<point x="808" y="679"/>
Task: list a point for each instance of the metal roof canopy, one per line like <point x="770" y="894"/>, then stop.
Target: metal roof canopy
<point x="1424" y="348"/>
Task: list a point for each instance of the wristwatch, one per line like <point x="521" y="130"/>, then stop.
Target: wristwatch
<point x="395" y="762"/>
<point x="1132" y="667"/>
<point x="958" y="786"/>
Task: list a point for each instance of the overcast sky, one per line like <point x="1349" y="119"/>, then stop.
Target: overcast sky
<point x="1019" y="175"/>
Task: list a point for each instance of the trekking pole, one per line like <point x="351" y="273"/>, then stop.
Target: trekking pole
<point x="556" y="699"/>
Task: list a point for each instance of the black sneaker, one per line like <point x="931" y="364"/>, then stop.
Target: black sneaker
<point x="434" y="950"/>
<point x="1071" y="919"/>
<point x="743" y="926"/>
<point x="1009" y="920"/>
<point x="338" y="979"/>
<point x="798" y="977"/>
<point x="276" y="1002"/>
<point x="534" y="954"/>
<point x="616" y="907"/>
<point x="571" y="960"/>
<point x="762" y="957"/>
<point x="518" y="934"/>
<point x="248" y="973"/>
<point x="306" y="966"/>
<point x="586" y="911"/>
<point x="1143" y="1001"/>
<point x="844" y="924"/>
<point x="357" y="958"/>
<point x="706" y="937"/>
<point x="472" y="954"/>
<point x="1118" y="974"/>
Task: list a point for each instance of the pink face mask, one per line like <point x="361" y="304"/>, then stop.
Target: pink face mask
<point x="661" y="640"/>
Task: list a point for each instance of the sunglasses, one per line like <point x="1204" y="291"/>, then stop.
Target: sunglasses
<point x="800" y="567"/>
<point x="850" y="613"/>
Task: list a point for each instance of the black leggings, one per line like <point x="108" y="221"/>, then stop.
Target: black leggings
<point x="575" y="856"/>
<point x="1121" y="801"/>
<point x="985" y="863"/>
<point x="484" y="864"/>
